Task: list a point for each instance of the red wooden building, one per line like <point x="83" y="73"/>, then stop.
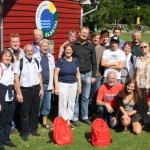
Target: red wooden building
<point x="19" y="16"/>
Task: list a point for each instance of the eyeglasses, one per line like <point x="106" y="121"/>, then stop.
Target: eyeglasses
<point x="143" y="47"/>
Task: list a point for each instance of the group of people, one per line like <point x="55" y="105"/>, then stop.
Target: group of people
<point x="94" y="73"/>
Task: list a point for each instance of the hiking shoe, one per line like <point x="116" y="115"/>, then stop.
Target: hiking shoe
<point x="87" y="121"/>
<point x="11" y="144"/>
<point x="35" y="133"/>
<point x="24" y="138"/>
<point x="76" y="123"/>
<point x="148" y="113"/>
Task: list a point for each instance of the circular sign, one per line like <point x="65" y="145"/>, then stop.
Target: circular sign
<point x="47" y="18"/>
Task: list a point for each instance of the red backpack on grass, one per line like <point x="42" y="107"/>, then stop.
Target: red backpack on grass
<point x="100" y="133"/>
<point x="62" y="133"/>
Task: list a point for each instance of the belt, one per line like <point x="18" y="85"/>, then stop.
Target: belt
<point x="85" y="71"/>
<point x="30" y="87"/>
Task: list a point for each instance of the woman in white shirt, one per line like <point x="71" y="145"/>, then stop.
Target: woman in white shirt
<point x="7" y="104"/>
<point x="129" y="65"/>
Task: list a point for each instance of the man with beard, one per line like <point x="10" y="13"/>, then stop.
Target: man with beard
<point x="107" y="99"/>
<point x="29" y="89"/>
<point x="38" y="36"/>
<point x="85" y="52"/>
<point x="136" y="50"/>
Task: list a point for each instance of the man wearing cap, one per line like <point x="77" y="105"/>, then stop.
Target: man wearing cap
<point x="113" y="59"/>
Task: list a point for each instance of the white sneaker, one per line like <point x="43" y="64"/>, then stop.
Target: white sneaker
<point x="148" y="112"/>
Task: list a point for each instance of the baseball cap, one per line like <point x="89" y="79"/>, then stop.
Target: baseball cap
<point x="114" y="38"/>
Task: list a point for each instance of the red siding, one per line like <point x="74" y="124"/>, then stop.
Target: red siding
<point x="19" y="16"/>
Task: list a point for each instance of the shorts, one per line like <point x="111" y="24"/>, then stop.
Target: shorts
<point x="136" y="118"/>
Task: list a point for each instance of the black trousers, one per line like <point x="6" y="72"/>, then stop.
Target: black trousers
<point x="5" y="122"/>
<point x="29" y="110"/>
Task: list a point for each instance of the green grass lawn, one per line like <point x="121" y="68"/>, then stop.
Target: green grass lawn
<point x="121" y="141"/>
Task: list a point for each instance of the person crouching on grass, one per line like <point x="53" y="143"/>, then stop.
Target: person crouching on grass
<point x="128" y="105"/>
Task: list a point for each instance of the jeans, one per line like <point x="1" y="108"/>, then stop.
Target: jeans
<point x="6" y="117"/>
<point x="45" y="103"/>
<point x="93" y="94"/>
<point x="86" y="87"/>
<point x="106" y="116"/>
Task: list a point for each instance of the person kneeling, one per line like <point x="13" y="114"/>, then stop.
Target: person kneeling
<point x="128" y="105"/>
<point x="107" y="99"/>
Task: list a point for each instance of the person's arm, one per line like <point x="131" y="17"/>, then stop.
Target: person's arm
<point x="122" y="110"/>
<point x="106" y="63"/>
<point x="118" y="66"/>
<point x="17" y="87"/>
<point x="56" y="73"/>
<point x="41" y="92"/>
<point x="94" y="64"/>
<point x="78" y="80"/>
<point x="133" y="112"/>
<point x="100" y="101"/>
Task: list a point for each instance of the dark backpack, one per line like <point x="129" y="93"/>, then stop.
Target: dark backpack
<point x="21" y="64"/>
<point x="62" y="133"/>
<point x="131" y="59"/>
<point x="100" y="133"/>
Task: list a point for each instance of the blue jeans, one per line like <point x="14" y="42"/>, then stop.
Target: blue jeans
<point x="93" y="94"/>
<point x="106" y="116"/>
<point x="86" y="87"/>
<point x="6" y="117"/>
<point x="45" y="103"/>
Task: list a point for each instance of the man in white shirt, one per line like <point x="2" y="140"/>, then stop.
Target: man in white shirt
<point x="113" y="59"/>
<point x="29" y="89"/>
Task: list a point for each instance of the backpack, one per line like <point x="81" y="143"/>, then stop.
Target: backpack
<point x="21" y="64"/>
<point x="100" y="133"/>
<point x="62" y="133"/>
<point x="131" y="59"/>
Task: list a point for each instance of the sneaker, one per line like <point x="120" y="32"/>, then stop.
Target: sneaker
<point x="148" y="113"/>
<point x="87" y="121"/>
<point x="35" y="133"/>
<point x="11" y="144"/>
<point x="76" y="123"/>
<point x="2" y="148"/>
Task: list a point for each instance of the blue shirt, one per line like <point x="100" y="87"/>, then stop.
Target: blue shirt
<point x="68" y="70"/>
<point x="36" y="50"/>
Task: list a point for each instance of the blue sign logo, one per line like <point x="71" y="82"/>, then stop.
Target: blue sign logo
<point x="47" y="18"/>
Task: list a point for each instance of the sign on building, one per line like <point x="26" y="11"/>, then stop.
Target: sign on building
<point x="47" y="18"/>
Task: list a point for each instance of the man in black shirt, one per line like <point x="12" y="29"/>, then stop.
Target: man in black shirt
<point x="85" y="52"/>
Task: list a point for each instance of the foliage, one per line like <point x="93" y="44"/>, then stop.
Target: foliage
<point x="118" y="11"/>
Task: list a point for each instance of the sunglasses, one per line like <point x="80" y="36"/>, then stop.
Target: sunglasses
<point x="143" y="47"/>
